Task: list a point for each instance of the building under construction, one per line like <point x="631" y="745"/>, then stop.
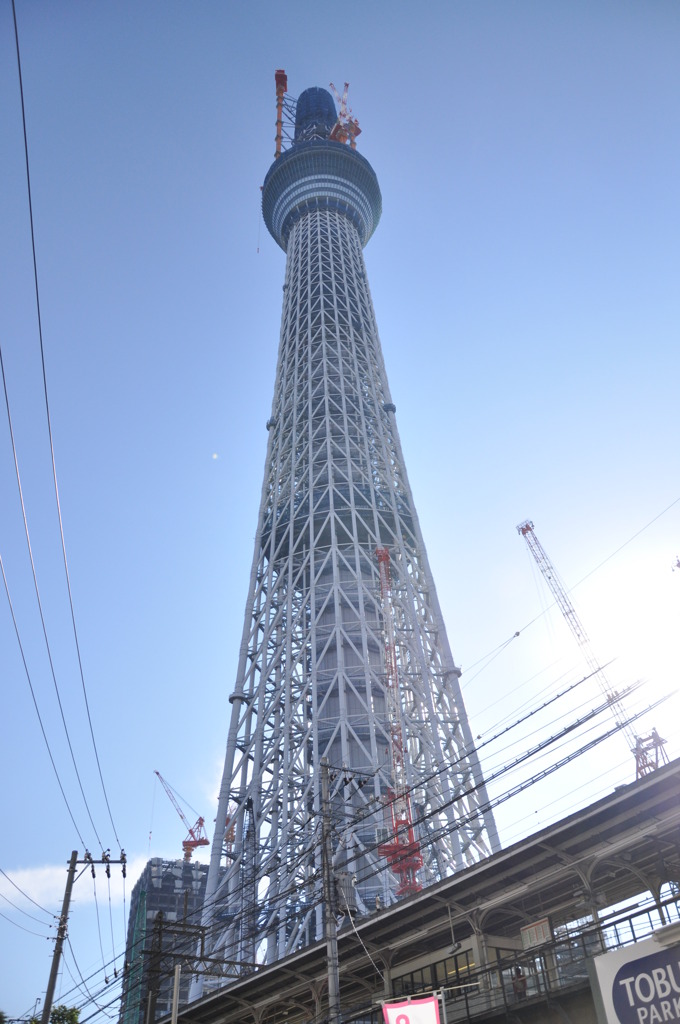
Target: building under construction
<point x="164" y="908"/>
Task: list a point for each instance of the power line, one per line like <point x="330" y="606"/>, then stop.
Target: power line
<point x="624" y="545"/>
<point x="18" y="888"/>
<point x="506" y="795"/>
<point x="439" y="833"/>
<point x="21" y="910"/>
<point x="91" y="998"/>
<point x="51" y="442"/>
<point x="314" y="878"/>
<point x="35" y="704"/>
<point x="23" y="929"/>
<point x="523" y="785"/>
<point x="492" y="655"/>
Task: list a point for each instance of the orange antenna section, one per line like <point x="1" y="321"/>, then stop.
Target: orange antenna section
<point x="281" y="79"/>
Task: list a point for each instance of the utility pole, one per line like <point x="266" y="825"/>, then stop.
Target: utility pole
<point x="61" y="935"/>
<point x="63" y="918"/>
<point x="175" y="993"/>
<point x="329" y="907"/>
<point x="155" y="968"/>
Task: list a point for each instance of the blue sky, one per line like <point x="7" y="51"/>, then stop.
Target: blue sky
<point x="525" y="279"/>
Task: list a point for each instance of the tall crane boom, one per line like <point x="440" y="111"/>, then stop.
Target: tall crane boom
<point x="346" y="128"/>
<point x="648" y="750"/>
<point x="402" y="850"/>
<point x="196" y="833"/>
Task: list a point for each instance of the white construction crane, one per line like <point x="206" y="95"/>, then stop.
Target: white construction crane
<point x="648" y="750"/>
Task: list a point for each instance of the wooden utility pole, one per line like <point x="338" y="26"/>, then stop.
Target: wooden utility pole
<point x="175" y="993"/>
<point x="155" y="968"/>
<point x="62" y="929"/>
<point x="61" y="935"/>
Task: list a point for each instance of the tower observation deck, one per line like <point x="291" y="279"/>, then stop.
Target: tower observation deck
<point x="313" y="677"/>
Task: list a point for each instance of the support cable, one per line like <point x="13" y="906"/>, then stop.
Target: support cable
<point x="100" y="1009"/>
<point x="90" y="979"/>
<point x="551" y="741"/>
<point x="51" y="440"/>
<point x="491" y="656"/>
<point x="547" y="689"/>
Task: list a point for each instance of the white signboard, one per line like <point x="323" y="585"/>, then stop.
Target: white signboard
<point x="536" y="934"/>
<point x="414" y="1011"/>
<point x="639" y="984"/>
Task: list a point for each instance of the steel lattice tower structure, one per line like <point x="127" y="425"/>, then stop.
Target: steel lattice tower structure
<point x="311" y="679"/>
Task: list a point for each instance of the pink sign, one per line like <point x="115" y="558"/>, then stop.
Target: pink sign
<point x="414" y="1011"/>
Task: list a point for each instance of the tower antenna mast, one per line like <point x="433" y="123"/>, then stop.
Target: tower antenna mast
<point x="648" y="750"/>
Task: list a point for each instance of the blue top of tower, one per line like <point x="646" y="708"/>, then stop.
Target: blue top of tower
<point x="315" y="115"/>
<point x="318" y="172"/>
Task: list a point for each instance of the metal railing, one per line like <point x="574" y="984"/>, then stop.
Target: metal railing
<point x="555" y="967"/>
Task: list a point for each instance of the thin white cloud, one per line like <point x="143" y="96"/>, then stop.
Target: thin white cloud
<point x="46" y="884"/>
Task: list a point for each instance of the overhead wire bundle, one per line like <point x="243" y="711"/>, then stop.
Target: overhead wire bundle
<point x="44" y="719"/>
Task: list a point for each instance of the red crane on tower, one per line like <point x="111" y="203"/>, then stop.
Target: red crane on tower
<point x="196" y="833"/>
<point x="402" y="849"/>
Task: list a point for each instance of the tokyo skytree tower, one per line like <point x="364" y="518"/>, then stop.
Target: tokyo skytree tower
<point x="344" y="655"/>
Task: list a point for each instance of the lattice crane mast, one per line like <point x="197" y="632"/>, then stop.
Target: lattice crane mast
<point x="346" y="128"/>
<point x="402" y="850"/>
<point x="196" y="833"/>
<point x="648" y="750"/>
<point x="281" y="80"/>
